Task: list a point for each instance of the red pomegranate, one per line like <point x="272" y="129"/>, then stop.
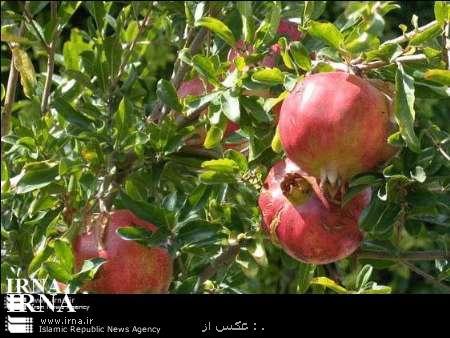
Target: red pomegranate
<point x="303" y="222"/>
<point x="335" y="125"/>
<point x="289" y="29"/>
<point x="130" y="267"/>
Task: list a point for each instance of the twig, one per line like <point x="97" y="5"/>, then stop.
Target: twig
<point x="198" y="152"/>
<point x="446" y="52"/>
<point x="405" y="37"/>
<point x="29" y="19"/>
<point x="50" y="62"/>
<point x="425" y="275"/>
<point x="10" y="93"/>
<point x="224" y="259"/>
<point x="178" y="75"/>
<point x="379" y="64"/>
<point x="183" y="121"/>
<point x="128" y="52"/>
<point x="408" y="256"/>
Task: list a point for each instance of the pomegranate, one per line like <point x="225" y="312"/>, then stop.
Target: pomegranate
<point x="335" y="125"/>
<point x="301" y="219"/>
<point x="289" y="29"/>
<point x="130" y="267"/>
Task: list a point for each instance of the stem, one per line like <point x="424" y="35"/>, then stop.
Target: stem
<point x="29" y="19"/>
<point x="425" y="275"/>
<point x="224" y="259"/>
<point x="446" y="52"/>
<point x="379" y="64"/>
<point x="178" y="75"/>
<point x="407" y="256"/>
<point x="10" y="93"/>
<point x="128" y="52"/>
<point x="183" y="121"/>
<point x="409" y="35"/>
<point x="50" y="61"/>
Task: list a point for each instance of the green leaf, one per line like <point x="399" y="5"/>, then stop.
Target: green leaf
<point x="238" y="158"/>
<point x="36" y="179"/>
<point x="65" y="12"/>
<point x="426" y="35"/>
<point x="168" y="95"/>
<point x="306" y="272"/>
<point x="441" y="11"/>
<point x="219" y="28"/>
<point x="97" y="11"/>
<point x="276" y="144"/>
<point x="253" y="106"/>
<point x="285" y="53"/>
<point x="113" y="52"/>
<point x="224" y="165"/>
<point x="40" y="257"/>
<point x="327" y="32"/>
<point x="230" y="106"/>
<point x="363" y="276"/>
<point x="248" y="24"/>
<point x="24" y="66"/>
<point x="385" y="52"/>
<point x="143" y="236"/>
<point x="300" y="55"/>
<point x="419" y="175"/>
<point x="441" y="76"/>
<point x="122" y="119"/>
<point x="73" y="48"/>
<point x="215" y="177"/>
<point x="274" y="17"/>
<point x="377" y="289"/>
<point x="63" y="251"/>
<point x="88" y="272"/>
<point x="213" y="137"/>
<point x="205" y="67"/>
<point x="268" y="76"/>
<point x="328" y="283"/>
<point x="58" y="272"/>
<point x="362" y="42"/>
<point x="144" y="210"/>
<point x="404" y="107"/>
<point x="71" y="115"/>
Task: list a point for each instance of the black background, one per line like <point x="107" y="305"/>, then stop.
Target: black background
<point x="279" y="315"/>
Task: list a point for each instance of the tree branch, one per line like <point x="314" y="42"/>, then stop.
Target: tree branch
<point x="180" y="70"/>
<point x="50" y="62"/>
<point x="10" y="93"/>
<point x="405" y="37"/>
<point x="29" y="18"/>
<point x="446" y="52"/>
<point x="183" y="121"/>
<point x="224" y="259"/>
<point x="128" y="52"/>
<point x="425" y="275"/>
<point x="407" y="256"/>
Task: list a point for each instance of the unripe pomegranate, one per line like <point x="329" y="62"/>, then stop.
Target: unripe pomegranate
<point x="335" y="125"/>
<point x="289" y="29"/>
<point x="301" y="219"/>
<point x="130" y="267"/>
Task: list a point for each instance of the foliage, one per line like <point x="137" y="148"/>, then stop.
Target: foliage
<point x="115" y="133"/>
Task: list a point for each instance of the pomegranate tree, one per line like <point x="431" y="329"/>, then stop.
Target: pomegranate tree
<point x="335" y="125"/>
<point x="130" y="267"/>
<point x="303" y="221"/>
<point x="196" y="87"/>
